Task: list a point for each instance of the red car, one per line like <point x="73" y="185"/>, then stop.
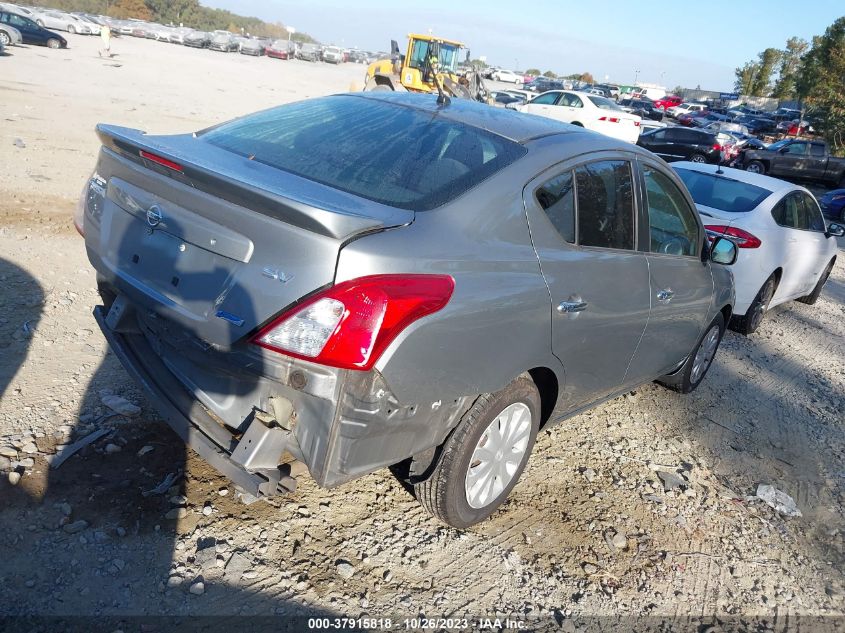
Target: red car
<point x="686" y="119"/>
<point x="278" y="49"/>
<point x="668" y="101"/>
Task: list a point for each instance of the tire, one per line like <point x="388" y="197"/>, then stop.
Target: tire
<point x="444" y="493"/>
<point x="698" y="158"/>
<point x="53" y="43"/>
<point x="811" y="298"/>
<point x="71" y="29"/>
<point x="753" y="317"/>
<point x="756" y="167"/>
<point x="5" y="39"/>
<point x="695" y="368"/>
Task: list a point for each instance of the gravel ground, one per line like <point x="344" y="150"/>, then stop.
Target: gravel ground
<point x="642" y="508"/>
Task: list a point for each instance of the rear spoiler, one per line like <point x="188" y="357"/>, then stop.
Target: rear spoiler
<point x="253" y="185"/>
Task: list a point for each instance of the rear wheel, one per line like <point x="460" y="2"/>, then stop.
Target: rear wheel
<point x="749" y="323"/>
<point x="481" y="461"/>
<point x="698" y="158"/>
<point x="755" y="167"/>
<point x="53" y="43"/>
<point x="4" y="38"/>
<point x="692" y="372"/>
<point x="811" y="298"/>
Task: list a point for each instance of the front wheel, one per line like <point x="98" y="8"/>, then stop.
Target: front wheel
<point x="692" y="372"/>
<point x="5" y="40"/>
<point x="53" y="43"/>
<point x="481" y="461"/>
<point x="755" y="167"/>
<point x="811" y="298"/>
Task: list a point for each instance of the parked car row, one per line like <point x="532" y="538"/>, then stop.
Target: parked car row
<point x="34" y="24"/>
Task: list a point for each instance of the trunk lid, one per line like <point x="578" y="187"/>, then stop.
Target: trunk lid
<point x="213" y="241"/>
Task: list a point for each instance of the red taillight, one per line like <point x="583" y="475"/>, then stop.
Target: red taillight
<point x="717" y="147"/>
<point x="349" y="325"/>
<point x="610" y="119"/>
<point x="743" y="239"/>
<point x="636" y="124"/>
<point x="161" y="161"/>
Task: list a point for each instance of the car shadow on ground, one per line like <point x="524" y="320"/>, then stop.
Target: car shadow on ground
<point x="114" y="519"/>
<point x="21" y="300"/>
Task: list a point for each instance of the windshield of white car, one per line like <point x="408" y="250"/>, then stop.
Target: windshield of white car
<point x="603" y="103"/>
<point x="722" y="193"/>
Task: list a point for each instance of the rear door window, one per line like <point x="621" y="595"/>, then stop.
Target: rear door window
<point x="817" y="150"/>
<point x="557" y="198"/>
<point x="605" y="196"/>
<point x="788" y="212"/>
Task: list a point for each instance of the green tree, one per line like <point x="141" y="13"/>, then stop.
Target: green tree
<point x="745" y="77"/>
<point x="550" y="74"/>
<point x="820" y="84"/>
<point x="586" y="78"/>
<point x="762" y="85"/>
<point x="130" y="9"/>
<point x="790" y="62"/>
<point x="532" y="71"/>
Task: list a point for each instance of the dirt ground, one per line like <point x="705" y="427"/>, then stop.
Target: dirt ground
<point x="591" y="538"/>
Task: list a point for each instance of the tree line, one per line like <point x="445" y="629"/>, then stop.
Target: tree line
<point x="812" y="73"/>
<point x="178" y="12"/>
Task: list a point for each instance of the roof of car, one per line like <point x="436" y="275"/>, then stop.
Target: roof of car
<point x="758" y="180"/>
<point x="501" y="121"/>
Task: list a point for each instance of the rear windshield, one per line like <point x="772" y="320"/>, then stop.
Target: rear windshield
<point x="386" y="152"/>
<point x="603" y="103"/>
<point x="722" y="193"/>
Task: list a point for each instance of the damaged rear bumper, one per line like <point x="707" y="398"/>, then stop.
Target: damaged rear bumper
<point x="340" y="424"/>
<point x="186" y="417"/>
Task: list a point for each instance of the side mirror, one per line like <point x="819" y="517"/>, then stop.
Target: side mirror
<point x="723" y="251"/>
<point x="835" y="230"/>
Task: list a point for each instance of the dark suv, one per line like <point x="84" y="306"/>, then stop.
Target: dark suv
<point x="677" y="143"/>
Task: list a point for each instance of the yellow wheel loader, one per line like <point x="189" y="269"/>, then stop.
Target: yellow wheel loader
<point x="430" y="65"/>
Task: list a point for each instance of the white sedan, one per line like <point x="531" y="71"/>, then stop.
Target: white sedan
<point x="592" y="112"/>
<point x="685" y="108"/>
<point x="785" y="250"/>
<point x="60" y="21"/>
<point x="508" y="76"/>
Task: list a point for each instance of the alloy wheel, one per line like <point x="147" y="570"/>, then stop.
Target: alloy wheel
<point x="697" y="158"/>
<point x="498" y="454"/>
<point x="704" y="355"/>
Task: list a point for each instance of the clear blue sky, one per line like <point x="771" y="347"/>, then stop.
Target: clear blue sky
<point x="688" y="42"/>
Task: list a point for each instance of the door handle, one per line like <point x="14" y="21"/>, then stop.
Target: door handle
<point x="568" y="307"/>
<point x="665" y="295"/>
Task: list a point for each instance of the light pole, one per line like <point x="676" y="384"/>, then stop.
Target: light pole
<point x="636" y="75"/>
<point x="290" y="31"/>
